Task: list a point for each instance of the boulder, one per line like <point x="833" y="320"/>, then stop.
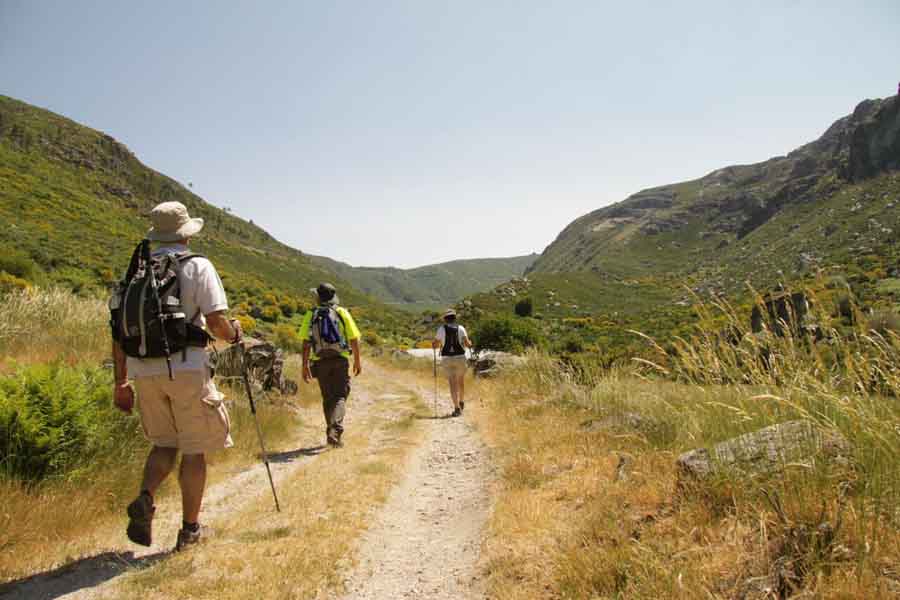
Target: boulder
<point x="490" y="362"/>
<point x="265" y="365"/>
<point x="764" y="451"/>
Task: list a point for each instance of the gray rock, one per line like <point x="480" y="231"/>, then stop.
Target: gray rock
<point x="763" y="451"/>
<point x="491" y="362"/>
<point x="265" y="365"/>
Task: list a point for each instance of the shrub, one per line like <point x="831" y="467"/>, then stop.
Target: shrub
<point x="524" y="307"/>
<point x="505" y="334"/>
<point x="54" y="418"/>
<point x="248" y="323"/>
<point x="287" y="339"/>
<point x="17" y="263"/>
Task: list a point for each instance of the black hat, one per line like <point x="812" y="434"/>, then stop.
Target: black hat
<point x="327" y="293"/>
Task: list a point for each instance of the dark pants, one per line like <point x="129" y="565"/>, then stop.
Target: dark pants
<point x="333" y="375"/>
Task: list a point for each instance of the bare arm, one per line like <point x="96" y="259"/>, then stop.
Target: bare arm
<point x="123" y="395"/>
<point x="307" y="374"/>
<point x="357" y="361"/>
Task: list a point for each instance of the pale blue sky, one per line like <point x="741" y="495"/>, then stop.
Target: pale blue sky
<point x="412" y="132"/>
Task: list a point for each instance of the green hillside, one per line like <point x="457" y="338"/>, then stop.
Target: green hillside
<point x="74" y="201"/>
<point x="432" y="286"/>
<point x="825" y="216"/>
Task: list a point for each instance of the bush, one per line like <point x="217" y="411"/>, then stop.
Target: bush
<point x="371" y="338"/>
<point x="505" y="334"/>
<point x="54" y="418"/>
<point x="248" y="323"/>
<point x="287" y="339"/>
<point x="524" y="307"/>
<point x="18" y="264"/>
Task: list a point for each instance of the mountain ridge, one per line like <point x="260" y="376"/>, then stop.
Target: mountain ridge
<point x="431" y="286"/>
<point x="729" y="204"/>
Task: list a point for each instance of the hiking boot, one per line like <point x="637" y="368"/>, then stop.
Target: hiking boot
<point x="335" y="443"/>
<point x="140" y="515"/>
<point x="462" y="406"/>
<point x="187" y="537"/>
<point x="456" y="412"/>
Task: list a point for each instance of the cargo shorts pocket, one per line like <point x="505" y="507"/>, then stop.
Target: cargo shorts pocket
<point x="214" y="400"/>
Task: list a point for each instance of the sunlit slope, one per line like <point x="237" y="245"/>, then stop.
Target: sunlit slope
<point x="831" y="200"/>
<point x="74" y="201"/>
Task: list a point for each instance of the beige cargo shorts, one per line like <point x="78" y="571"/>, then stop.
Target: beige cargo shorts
<point x="187" y="413"/>
<point x="454" y="366"/>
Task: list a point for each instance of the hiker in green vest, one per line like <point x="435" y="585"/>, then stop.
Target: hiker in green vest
<point x="330" y="337"/>
<point x="452" y="339"/>
<point x="179" y="405"/>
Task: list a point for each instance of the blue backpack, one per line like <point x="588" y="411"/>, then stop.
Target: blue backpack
<point x="325" y="333"/>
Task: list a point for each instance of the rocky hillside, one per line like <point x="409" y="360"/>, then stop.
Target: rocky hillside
<point x="73" y="204"/>
<point x="826" y="216"/>
<point x="431" y="286"/>
<point x="775" y="219"/>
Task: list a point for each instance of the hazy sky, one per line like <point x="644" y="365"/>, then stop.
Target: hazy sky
<point x="407" y="133"/>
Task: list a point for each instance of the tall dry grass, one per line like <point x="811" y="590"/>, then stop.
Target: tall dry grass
<point x="44" y="325"/>
<point x="566" y="525"/>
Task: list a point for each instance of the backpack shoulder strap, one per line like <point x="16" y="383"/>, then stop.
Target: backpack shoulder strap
<point x="183" y="257"/>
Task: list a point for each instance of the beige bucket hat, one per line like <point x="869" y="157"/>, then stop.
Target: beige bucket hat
<point x="171" y="223"/>
<point x="449" y="313"/>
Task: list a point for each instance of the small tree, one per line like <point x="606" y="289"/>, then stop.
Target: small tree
<point x="524" y="307"/>
<point x="505" y="334"/>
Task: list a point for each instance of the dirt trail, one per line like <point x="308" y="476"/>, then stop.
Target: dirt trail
<point x="423" y="543"/>
<point x="427" y="538"/>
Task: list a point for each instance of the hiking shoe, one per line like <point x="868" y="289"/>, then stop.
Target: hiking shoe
<point x="186" y="538"/>
<point x="335" y="443"/>
<point x="140" y="515"/>
<point x="456" y="412"/>
<point x="462" y="406"/>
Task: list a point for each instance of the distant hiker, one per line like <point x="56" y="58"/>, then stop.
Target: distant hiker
<point x="453" y="340"/>
<point x="179" y="405"/>
<point x="330" y="337"/>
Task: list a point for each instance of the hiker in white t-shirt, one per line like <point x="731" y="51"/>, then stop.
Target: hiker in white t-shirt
<point x="180" y="408"/>
<point x="452" y="339"/>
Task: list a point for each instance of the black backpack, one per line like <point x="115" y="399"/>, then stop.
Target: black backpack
<point x="146" y="314"/>
<point x="325" y="332"/>
<point x="452" y="345"/>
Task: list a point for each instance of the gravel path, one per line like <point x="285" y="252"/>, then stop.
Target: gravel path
<point x="424" y="542"/>
<point x="427" y="538"/>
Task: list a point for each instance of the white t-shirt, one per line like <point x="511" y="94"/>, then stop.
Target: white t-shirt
<point x="463" y="336"/>
<point x="201" y="290"/>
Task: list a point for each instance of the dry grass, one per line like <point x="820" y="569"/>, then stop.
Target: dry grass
<point x="564" y="526"/>
<point x="46" y="325"/>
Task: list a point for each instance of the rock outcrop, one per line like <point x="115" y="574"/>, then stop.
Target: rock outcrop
<point x="766" y="450"/>
<point x="265" y="365"/>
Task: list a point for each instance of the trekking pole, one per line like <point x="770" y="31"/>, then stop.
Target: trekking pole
<point x="434" y="352"/>
<point x="256" y="420"/>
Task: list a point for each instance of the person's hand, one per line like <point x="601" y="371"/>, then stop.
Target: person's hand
<point x="123" y="397"/>
<point x="307" y="374"/>
<point x="238" y="332"/>
<point x="357" y="367"/>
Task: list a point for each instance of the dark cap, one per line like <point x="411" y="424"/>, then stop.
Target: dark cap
<point x="327" y="293"/>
